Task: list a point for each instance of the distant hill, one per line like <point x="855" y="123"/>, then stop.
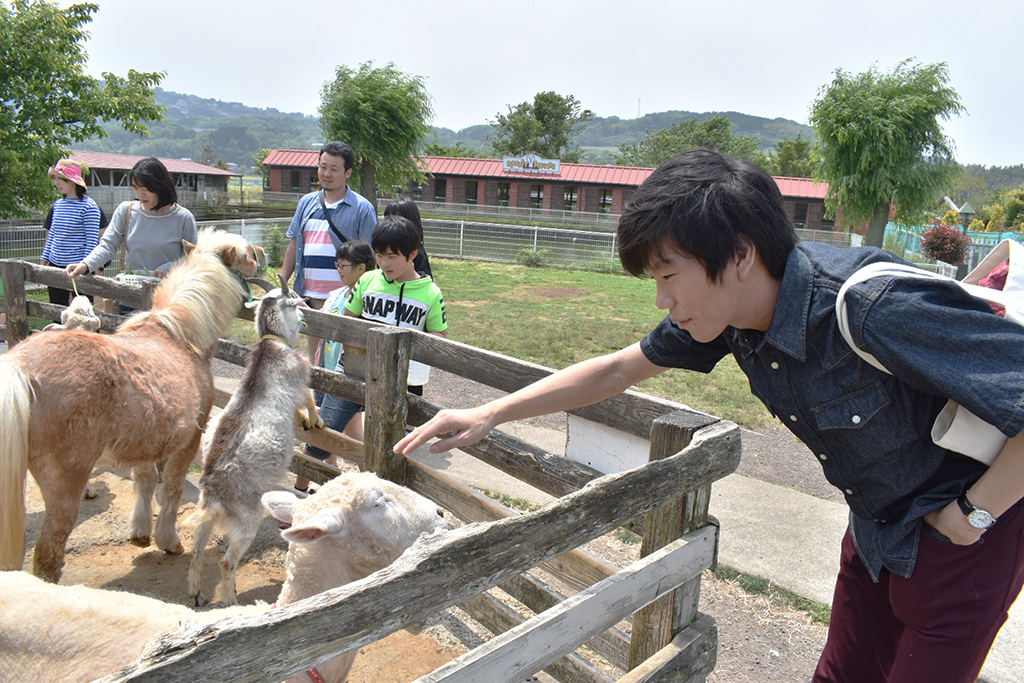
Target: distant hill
<point x="608" y="133"/>
<point x="233" y="130"/>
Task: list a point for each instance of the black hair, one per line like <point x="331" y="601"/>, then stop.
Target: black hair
<point x="396" y="233"/>
<point x="151" y="174"/>
<point x="406" y="207"/>
<point x="339" y="149"/>
<point x="356" y="252"/>
<point x="80" y="191"/>
<point x="703" y="204"/>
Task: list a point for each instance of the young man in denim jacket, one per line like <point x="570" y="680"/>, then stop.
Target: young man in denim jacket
<point x="922" y="591"/>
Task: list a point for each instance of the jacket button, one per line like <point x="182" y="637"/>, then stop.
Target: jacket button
<point x="822" y="456"/>
<point x="775" y="366"/>
<point x="792" y="418"/>
<point x="849" y="492"/>
<point x="855" y="419"/>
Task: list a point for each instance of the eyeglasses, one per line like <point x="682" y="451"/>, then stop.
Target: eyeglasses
<point x="342" y="266"/>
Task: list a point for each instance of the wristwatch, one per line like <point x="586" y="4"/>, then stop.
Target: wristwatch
<point x="976" y="517"/>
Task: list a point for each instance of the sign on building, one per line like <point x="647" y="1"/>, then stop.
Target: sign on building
<point x="531" y="162"/>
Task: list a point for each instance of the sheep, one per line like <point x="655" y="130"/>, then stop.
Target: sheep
<point x="79" y="315"/>
<point x="352" y="526"/>
<point x="252" y="442"/>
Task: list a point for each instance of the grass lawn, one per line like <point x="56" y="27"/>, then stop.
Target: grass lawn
<point x="557" y="317"/>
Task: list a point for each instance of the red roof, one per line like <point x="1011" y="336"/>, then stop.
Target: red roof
<point x="293" y="157"/>
<point x="578" y="173"/>
<point x="801" y="187"/>
<point x="124" y="162"/>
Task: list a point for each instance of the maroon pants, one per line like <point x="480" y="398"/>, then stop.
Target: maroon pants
<point x="936" y="626"/>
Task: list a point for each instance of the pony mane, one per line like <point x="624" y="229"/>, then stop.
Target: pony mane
<point x="196" y="302"/>
<point x="213" y="241"/>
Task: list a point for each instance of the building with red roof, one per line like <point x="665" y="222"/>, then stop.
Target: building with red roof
<point x="531" y="182"/>
<point x="197" y="184"/>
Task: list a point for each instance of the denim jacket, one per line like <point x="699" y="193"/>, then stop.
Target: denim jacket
<point x="871" y="431"/>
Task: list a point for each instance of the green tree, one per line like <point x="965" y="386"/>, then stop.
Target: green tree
<point x="436" y="149"/>
<point x="714" y="132"/>
<point x="47" y="102"/>
<point x="548" y="127"/>
<point x="791" y="158"/>
<point x="257" y="162"/>
<point x="880" y="142"/>
<point x="384" y="115"/>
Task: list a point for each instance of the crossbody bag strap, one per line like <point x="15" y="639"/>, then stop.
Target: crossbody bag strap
<point x="327" y="215"/>
<point x="124" y="239"/>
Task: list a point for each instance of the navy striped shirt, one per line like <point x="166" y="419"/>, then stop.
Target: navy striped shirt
<point x="74" y="231"/>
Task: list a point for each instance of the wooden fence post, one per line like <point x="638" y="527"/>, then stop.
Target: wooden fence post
<point x="13" y="274"/>
<point x="655" y="625"/>
<point x="387" y="408"/>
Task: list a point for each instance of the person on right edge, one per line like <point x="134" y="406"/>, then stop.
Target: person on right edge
<point x="934" y="553"/>
<point x="323" y="221"/>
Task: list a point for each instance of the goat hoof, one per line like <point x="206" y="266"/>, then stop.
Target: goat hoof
<point x="90" y="491"/>
<point x="176" y="550"/>
<point x="140" y="541"/>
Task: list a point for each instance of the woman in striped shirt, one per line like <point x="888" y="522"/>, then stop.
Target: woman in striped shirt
<point x="74" y="229"/>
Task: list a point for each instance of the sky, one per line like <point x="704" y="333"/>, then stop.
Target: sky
<point x="617" y="58"/>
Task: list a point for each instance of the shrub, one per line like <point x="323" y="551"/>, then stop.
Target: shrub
<point x="945" y="243"/>
<point x="532" y="258"/>
<point x="275" y="244"/>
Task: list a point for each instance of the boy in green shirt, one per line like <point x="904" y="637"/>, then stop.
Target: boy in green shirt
<point x="398" y="295"/>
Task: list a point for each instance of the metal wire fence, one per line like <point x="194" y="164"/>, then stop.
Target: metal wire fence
<point x="447" y="238"/>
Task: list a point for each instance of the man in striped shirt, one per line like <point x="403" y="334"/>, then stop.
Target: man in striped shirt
<point x="313" y="242"/>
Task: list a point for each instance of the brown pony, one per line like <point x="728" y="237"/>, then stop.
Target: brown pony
<point x="72" y="399"/>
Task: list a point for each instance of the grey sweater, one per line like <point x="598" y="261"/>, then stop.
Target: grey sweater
<point x="154" y="239"/>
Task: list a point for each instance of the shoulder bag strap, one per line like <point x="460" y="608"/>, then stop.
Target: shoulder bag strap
<point x="327" y="215"/>
<point x="124" y="238"/>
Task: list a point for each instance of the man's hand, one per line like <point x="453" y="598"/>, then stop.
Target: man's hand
<point x="950" y="522"/>
<point x="467" y="427"/>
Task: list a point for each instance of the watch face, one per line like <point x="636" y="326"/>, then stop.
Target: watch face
<point x="980" y="519"/>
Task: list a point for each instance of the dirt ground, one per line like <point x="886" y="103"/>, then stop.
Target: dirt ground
<point x="760" y="641"/>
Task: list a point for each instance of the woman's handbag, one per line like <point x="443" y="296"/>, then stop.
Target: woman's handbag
<point x="955" y="427"/>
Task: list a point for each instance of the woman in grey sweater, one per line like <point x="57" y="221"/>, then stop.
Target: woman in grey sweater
<point x="154" y="225"/>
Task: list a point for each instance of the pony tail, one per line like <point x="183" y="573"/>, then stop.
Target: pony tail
<point x="16" y="397"/>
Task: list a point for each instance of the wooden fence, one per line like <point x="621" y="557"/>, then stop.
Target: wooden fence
<point x="661" y="493"/>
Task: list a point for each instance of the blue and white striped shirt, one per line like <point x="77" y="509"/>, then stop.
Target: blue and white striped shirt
<point x="74" y="231"/>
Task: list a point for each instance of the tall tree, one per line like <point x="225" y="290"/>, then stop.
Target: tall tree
<point x="548" y="127"/>
<point x="436" y="149"/>
<point x="47" y="102"/>
<point x="881" y="144"/>
<point x="714" y="132"/>
<point x="384" y="115"/>
<point x="791" y="158"/>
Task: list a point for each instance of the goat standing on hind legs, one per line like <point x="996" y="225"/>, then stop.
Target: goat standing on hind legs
<point x="252" y="443"/>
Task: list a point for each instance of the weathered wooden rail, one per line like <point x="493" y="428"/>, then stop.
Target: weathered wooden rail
<point x="651" y="471"/>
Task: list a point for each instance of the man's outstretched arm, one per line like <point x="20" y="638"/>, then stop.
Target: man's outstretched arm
<point x="578" y="385"/>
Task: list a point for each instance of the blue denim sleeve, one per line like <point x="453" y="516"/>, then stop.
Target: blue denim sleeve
<point x="940" y="340"/>
<point x="668" y="346"/>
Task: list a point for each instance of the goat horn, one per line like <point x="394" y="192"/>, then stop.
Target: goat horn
<point x="260" y="282"/>
<point x="284" y="284"/>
